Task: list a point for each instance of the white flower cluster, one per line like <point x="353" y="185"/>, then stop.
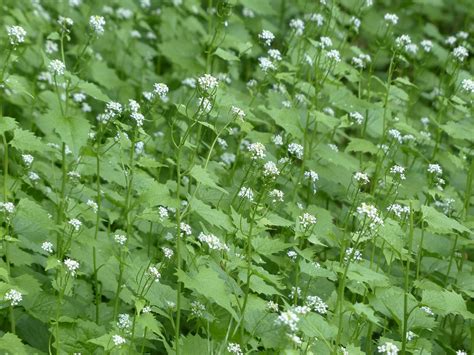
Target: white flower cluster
<point x="208" y="83"/>
<point x="357" y="117"/>
<point x="297" y="25"/>
<point x="56" y="67"/>
<point x="334" y="55"/>
<point x="398" y="170"/>
<point x="361" y="178"/>
<point x="212" y="241"/>
<point x="311" y="175"/>
<point x="391" y="18"/>
<point x="124" y="321"/>
<point x="270" y="169"/>
<point x="72" y="266"/>
<point x="290" y="319"/>
<point x="435" y="169"/>
<point x="370" y="211"/>
<point x="468" y="86"/>
<point x="296" y="149"/>
<point x="112" y="110"/>
<point x="118" y="340"/>
<point x="257" y="150"/>
<point x="185" y="228"/>
<point x="168" y="252"/>
<point x="14" y="297"/>
<point x="267" y="37"/>
<point x="238" y="112"/>
<point x="153" y="272"/>
<point x="276" y="195"/>
<point x="16" y="35"/>
<point x="234" y="348"/>
<point x="135" y="114"/>
<point x="292" y="255"/>
<point x="75" y="224"/>
<point x="398" y="210"/>
<point x="47" y="247"/>
<point x="97" y="24"/>
<point x="120" y="239"/>
<point x="246" y="192"/>
<point x="7" y="207"/>
<point x="307" y="220"/>
<point x="427" y="45"/>
<point x="197" y="309"/>
<point x="388" y="348"/>
<point x="460" y="53"/>
<point x="361" y="61"/>
<point x="317" y="304"/>
<point x="352" y="255"/>
<point x="266" y="64"/>
<point x="93" y="205"/>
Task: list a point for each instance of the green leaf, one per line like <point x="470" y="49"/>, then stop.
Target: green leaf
<point x="202" y="176"/>
<point x="10" y="342"/>
<point x="226" y="55"/>
<point x="7" y="124"/>
<point x="315" y="326"/>
<point x="74" y="131"/>
<point x="26" y="141"/>
<point x="211" y="215"/>
<point x="446" y="302"/>
<point x="440" y="223"/>
<point x="93" y="91"/>
<point x="208" y="283"/>
<point x="361" y="145"/>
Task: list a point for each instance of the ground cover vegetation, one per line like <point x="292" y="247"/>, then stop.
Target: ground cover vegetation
<point x="236" y="176"/>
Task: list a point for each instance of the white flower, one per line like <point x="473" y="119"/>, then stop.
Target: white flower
<point x="185" y="228"/>
<point x="311" y="175"/>
<point x="257" y="150"/>
<point x="47" y="247"/>
<point x="276" y="195"/>
<point x="450" y="41"/>
<point x="290" y="319"/>
<point x="120" y="239"/>
<point x="395" y="134"/>
<point x="391" y="18"/>
<point x="246" y="12"/>
<point x="205" y="105"/>
<point x="267" y="37"/>
<point x="296" y="150"/>
<point x="71" y="265"/>
<point x="50" y="47"/>
<point x="161" y="90"/>
<point x="208" y="83"/>
<point x="334" y="55"/>
<point x="139" y="147"/>
<point x="388" y="349"/>
<point x="75" y="3"/>
<point x="361" y="178"/>
<point x="93" y="205"/>
<point x="403" y="40"/>
<point x="307" y="220"/>
<point x="398" y="209"/>
<point x="371" y="212"/>
<point x="274" y="54"/>
<point x="153" y="271"/>
<point x="238" y="112"/>
<point x="468" y="86"/>
<point x="356" y="23"/>
<point x="297" y="25"/>
<point x="427" y="45"/>
<point x="461" y="352"/>
<point x="266" y="64"/>
<point x="427" y="310"/>
<point x="27" y="159"/>
<point x="212" y="241"/>
<point x="460" y="53"/>
<point x="295" y="339"/>
<point x="357" y="117"/>
<point x="74" y="175"/>
<point x="435" y="169"/>
<point x="14" y="296"/>
<point x="16" y="35"/>
<point x="228" y="158"/>
<point x="315" y="17"/>
<point x="398" y="170"/>
<point x="272" y="306"/>
<point x="33" y="176"/>
<point x="410" y="336"/>
<point x="118" y="340"/>
<point x="325" y="42"/>
<point x="234" y="349"/>
<point x="270" y="169"/>
<point x="317" y="304"/>
<point x="292" y="255"/>
<point x="97" y="23"/>
<point x="277" y="139"/>
<point x="191" y="82"/>
<point x="65" y="22"/>
<point x="197" y="309"/>
<point x="246" y="192"/>
<point x="56" y="67"/>
<point x="124" y="321"/>
<point x="352" y="255"/>
<point x="328" y="111"/>
<point x="333" y="147"/>
<point x="168" y="252"/>
<point x="75" y="224"/>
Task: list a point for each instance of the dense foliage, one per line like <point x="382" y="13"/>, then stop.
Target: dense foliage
<point x="236" y="176"/>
